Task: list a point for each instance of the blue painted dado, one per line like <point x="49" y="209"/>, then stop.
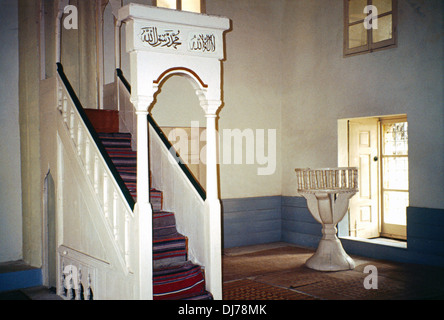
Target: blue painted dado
<point x="251" y="221"/>
<point x="10" y="281"/>
<point x="262" y="220"/>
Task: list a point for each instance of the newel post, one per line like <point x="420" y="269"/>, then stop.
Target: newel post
<point x="143" y="207"/>
<point x="213" y="235"/>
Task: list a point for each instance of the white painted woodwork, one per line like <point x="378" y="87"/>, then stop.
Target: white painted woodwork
<point x="363" y="147"/>
<point x="127" y="116"/>
<point x="75" y="269"/>
<point x="94" y="218"/>
<point x="179" y="196"/>
<point x="61" y="7"/>
<point x="161" y="43"/>
<point x="328" y="192"/>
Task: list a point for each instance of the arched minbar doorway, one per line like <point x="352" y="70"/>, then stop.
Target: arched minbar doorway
<point x="177" y="112"/>
<point x="162" y="43"/>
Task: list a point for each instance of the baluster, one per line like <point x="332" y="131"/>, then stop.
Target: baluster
<point x="89" y="291"/>
<point x="59" y="96"/>
<point x="300" y="180"/>
<point x="355" y="178"/>
<point x="88" y="157"/>
<point x="72" y="127"/>
<point x="336" y="179"/>
<point x="60" y="99"/>
<point x="350" y="173"/>
<point x="71" y="290"/>
<point x="65" y="110"/>
<point x="116" y="226"/>
<point x="324" y="179"/>
<point x="78" y="287"/>
<point x="79" y="139"/>
<point x="328" y="179"/>
<point x="105" y="195"/>
<point x="312" y="180"/>
<point x="318" y="179"/>
<point x="63" y="290"/>
<point x="343" y="180"/>
<point x="96" y="174"/>
<point x="308" y="179"/>
<point x="127" y="240"/>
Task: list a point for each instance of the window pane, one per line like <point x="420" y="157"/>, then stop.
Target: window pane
<point x="396" y="173"/>
<point x="170" y="4"/>
<point x="395" y="138"/>
<point x="383" y="6"/>
<point x="356" y="10"/>
<point x="191" y="5"/>
<point x="357" y="36"/>
<point x="395" y="204"/>
<point x="384" y="30"/>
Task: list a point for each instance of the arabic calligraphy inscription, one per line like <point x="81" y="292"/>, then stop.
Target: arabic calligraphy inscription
<point x="164" y="38"/>
<point x="202" y="42"/>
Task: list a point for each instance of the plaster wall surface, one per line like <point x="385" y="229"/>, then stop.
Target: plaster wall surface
<point x="10" y="182"/>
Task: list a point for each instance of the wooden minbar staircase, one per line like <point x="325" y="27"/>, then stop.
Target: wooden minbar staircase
<point x="174" y="276"/>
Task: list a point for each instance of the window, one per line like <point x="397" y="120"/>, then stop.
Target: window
<point x="185" y="5"/>
<point x="369" y="25"/>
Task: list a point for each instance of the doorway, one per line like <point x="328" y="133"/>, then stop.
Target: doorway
<point x="378" y="147"/>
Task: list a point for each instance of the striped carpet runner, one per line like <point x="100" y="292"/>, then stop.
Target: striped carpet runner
<point x="174" y="277"/>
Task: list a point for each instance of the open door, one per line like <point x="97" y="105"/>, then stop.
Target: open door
<point x="363" y="154"/>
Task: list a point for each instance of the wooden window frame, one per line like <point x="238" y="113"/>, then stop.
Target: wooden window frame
<point x="179" y="5"/>
<point x="370" y="46"/>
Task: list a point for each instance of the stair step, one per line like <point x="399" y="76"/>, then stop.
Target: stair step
<point x="103" y="120"/>
<point x="164" y="224"/>
<point x="123" y="159"/>
<point x="156" y="198"/>
<point x="180" y="282"/>
<point x="169" y="250"/>
<point x="204" y="296"/>
<point x="116" y="141"/>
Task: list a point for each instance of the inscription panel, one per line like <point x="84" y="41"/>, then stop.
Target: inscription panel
<point x="178" y="39"/>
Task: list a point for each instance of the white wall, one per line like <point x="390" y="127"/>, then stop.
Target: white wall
<point x="251" y="92"/>
<point x="322" y="86"/>
<point x="251" y="95"/>
<point x="285" y="70"/>
<point x="10" y="181"/>
<point x="252" y="78"/>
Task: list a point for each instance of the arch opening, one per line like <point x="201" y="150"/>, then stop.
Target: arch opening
<point x="177" y="111"/>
